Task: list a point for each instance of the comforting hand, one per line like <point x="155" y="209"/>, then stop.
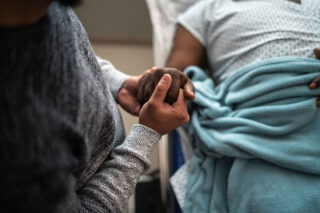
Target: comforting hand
<point x="316" y="82"/>
<point x="161" y="116"/>
<point x="127" y="95"/>
<point x="179" y="80"/>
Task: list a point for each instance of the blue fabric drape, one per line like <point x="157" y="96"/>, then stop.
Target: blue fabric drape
<point x="257" y="138"/>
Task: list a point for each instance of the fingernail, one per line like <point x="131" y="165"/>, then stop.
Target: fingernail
<point x="193" y="96"/>
<point x="166" y="78"/>
<point x="313" y="86"/>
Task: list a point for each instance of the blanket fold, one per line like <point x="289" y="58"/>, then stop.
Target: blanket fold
<point x="257" y="140"/>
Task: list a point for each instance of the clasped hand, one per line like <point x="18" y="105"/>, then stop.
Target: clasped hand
<point x="159" y="97"/>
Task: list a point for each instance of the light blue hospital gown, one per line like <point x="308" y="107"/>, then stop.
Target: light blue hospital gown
<point x="241" y="32"/>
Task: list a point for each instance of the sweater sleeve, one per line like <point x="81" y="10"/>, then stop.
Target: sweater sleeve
<point x="110" y="188"/>
<point x="113" y="77"/>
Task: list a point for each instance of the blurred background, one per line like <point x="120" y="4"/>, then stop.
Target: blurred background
<point x="120" y="31"/>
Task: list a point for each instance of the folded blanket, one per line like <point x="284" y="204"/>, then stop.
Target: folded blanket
<point x="257" y="138"/>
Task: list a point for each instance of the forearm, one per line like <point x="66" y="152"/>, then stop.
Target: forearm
<point x="110" y="188"/>
<point x="113" y="77"/>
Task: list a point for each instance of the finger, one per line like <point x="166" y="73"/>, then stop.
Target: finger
<point x="173" y="92"/>
<point x="171" y="69"/>
<point x="315" y="83"/>
<point x="144" y="74"/>
<point x="136" y="110"/>
<point x="187" y="86"/>
<point x="153" y="69"/>
<point x="317" y="52"/>
<point x="181" y="101"/>
<point x="141" y="90"/>
<point x="162" y="88"/>
<point x="181" y="98"/>
<point x="150" y="84"/>
<point x="318" y="102"/>
<point x="180" y="107"/>
<point x="147" y="72"/>
<point x="148" y="89"/>
<point x="189" y="90"/>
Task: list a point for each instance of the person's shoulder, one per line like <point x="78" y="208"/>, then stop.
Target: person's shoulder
<point x="63" y="17"/>
<point x="64" y="22"/>
<point x="207" y="6"/>
<point x="57" y="10"/>
<point x="61" y="13"/>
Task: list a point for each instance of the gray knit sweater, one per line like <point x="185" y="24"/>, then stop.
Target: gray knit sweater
<point x="62" y="143"/>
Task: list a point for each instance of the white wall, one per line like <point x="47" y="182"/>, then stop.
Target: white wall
<point x="116" y="19"/>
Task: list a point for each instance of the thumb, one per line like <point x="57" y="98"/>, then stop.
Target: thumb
<point x="162" y="88"/>
<point x="189" y="90"/>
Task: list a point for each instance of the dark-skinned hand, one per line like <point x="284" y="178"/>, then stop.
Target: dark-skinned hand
<point x="316" y="82"/>
<point x="179" y="81"/>
<point x="127" y="95"/>
<point x="161" y="116"/>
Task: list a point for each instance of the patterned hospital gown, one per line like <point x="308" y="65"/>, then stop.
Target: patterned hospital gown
<point x="240" y="32"/>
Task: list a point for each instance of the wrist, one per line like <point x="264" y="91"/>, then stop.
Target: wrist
<point x="156" y="127"/>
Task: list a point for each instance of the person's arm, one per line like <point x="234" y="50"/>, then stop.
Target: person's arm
<point x="39" y="165"/>
<point x="190" y="39"/>
<point x="113" y="77"/>
<point x="125" y="88"/>
<point x="186" y="50"/>
<point x="111" y="187"/>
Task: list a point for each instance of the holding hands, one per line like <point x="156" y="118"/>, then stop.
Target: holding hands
<point x="159" y="97"/>
<point x="127" y="95"/>
<point x="179" y="81"/>
<point x="160" y="115"/>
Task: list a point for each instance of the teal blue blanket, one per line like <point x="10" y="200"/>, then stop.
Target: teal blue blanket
<point x="257" y="138"/>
